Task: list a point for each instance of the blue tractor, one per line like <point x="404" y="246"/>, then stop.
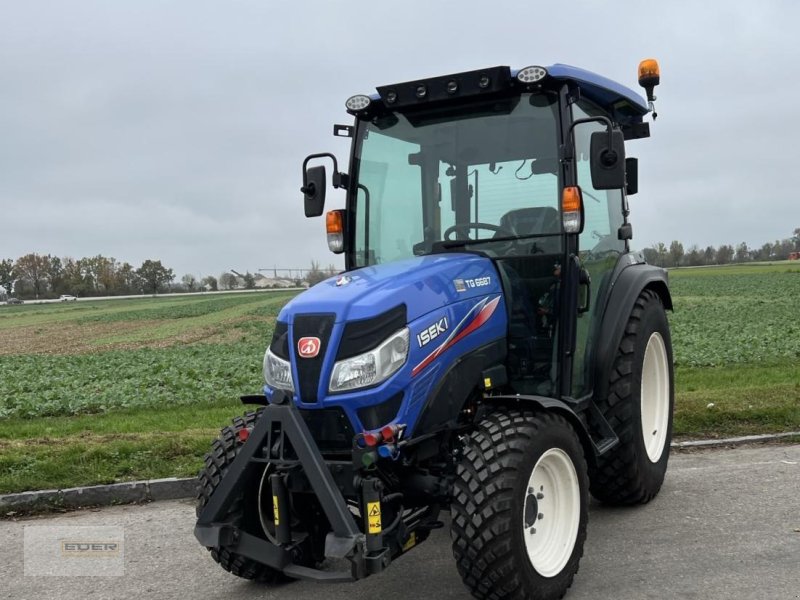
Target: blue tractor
<point x="493" y="348"/>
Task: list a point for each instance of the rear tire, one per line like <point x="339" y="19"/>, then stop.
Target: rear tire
<point x="223" y="450"/>
<point x="517" y="466"/>
<point x="639" y="408"/>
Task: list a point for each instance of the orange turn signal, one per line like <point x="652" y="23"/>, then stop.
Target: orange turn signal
<point x="334" y="221"/>
<point x="571" y="199"/>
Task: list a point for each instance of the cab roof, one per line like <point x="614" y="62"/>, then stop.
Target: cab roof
<point x="619" y="100"/>
<point x="601" y="90"/>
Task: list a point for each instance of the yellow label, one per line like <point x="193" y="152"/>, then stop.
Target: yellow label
<point x="412" y="541"/>
<point x="373" y="517"/>
<point x="487" y="382"/>
<point x="275" y="512"/>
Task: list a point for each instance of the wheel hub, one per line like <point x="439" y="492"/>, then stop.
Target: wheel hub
<point x="531" y="510"/>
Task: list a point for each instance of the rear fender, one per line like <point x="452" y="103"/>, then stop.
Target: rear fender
<point x="625" y="289"/>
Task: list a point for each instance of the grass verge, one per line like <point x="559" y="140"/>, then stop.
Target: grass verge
<point x="142" y="443"/>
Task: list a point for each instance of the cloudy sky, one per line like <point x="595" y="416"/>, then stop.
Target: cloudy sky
<point x="176" y="130"/>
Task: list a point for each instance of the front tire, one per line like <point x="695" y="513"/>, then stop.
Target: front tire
<point x="216" y="463"/>
<point x="519" y="507"/>
<point x="639" y="408"/>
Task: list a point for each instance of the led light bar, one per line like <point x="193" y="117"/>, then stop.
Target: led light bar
<point x="357" y="102"/>
<point x="531" y="74"/>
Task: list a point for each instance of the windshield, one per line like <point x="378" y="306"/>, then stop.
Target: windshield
<point x="456" y="173"/>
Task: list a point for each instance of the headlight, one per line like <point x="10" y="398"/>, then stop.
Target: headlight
<point x="371" y="367"/>
<point x="277" y="372"/>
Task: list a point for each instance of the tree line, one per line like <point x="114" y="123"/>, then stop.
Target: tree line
<point x="46" y="276"/>
<point x="43" y="276"/>
<point x="675" y="255"/>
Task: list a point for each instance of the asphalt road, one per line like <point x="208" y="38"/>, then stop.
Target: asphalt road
<point x="725" y="526"/>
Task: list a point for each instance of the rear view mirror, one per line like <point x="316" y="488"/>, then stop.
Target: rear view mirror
<point x="314" y="190"/>
<point x="608" y="163"/>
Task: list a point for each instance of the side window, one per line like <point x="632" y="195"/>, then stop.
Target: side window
<point x="602" y="208"/>
<point x="395" y="201"/>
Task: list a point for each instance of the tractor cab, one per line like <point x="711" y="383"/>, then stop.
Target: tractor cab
<point x="526" y="168"/>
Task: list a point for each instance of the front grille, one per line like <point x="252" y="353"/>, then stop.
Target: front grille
<point x="309" y="369"/>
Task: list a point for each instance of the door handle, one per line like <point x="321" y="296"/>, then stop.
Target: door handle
<point x="584" y="279"/>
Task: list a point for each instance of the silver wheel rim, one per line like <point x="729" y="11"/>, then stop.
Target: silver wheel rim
<point x="655" y="397"/>
<point x="551" y="512"/>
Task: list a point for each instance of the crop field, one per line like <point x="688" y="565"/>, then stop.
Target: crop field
<point x="95" y="392"/>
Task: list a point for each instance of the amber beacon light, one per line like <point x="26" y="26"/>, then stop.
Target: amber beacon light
<point x="649" y="76"/>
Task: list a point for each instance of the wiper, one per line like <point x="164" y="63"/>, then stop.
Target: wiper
<point x="506" y="238"/>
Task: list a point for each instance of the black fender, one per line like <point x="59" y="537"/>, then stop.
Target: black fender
<point x="445" y="403"/>
<point x="632" y="280"/>
<point x="590" y="449"/>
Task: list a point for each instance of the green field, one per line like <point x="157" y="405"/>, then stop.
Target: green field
<point x="94" y="392"/>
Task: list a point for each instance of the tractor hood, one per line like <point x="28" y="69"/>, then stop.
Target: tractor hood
<point x="423" y="284"/>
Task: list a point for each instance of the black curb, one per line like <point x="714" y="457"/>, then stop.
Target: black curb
<point x="172" y="488"/>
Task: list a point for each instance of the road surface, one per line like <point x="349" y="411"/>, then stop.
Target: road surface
<point x="726" y="526"/>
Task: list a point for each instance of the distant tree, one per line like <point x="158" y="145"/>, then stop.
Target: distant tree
<point x="154" y="275"/>
<point x="742" y="253"/>
<point x="724" y="254"/>
<point x="661" y="253"/>
<point x="127" y="280"/>
<point x="32" y="270"/>
<point x="786" y="247"/>
<point x="228" y="281"/>
<point x="55" y="274"/>
<point x="331" y="271"/>
<point x="709" y="255"/>
<point x="315" y="275"/>
<point x="7" y="274"/>
<point x="650" y="255"/>
<point x="249" y="281"/>
<point x="190" y="281"/>
<point x="796" y="239"/>
<point x="763" y="253"/>
<point x="210" y="282"/>
<point x="675" y="253"/>
<point x="693" y="257"/>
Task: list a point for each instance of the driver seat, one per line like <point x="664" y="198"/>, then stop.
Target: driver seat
<point x="532" y="221"/>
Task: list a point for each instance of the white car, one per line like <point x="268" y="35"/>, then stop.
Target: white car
<point x="67" y="298"/>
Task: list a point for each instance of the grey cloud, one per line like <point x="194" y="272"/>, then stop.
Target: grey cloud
<point x="176" y="130"/>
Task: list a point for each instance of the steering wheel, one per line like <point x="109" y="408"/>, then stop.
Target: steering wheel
<point x="467" y="226"/>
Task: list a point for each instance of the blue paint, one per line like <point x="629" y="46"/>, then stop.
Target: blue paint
<point x="427" y="286"/>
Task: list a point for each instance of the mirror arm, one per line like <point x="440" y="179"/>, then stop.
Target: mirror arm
<point x="339" y="180"/>
<point x="569" y="150"/>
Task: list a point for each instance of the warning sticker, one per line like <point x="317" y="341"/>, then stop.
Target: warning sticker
<point x="275" y="512"/>
<point x="412" y="541"/>
<point x="373" y="517"/>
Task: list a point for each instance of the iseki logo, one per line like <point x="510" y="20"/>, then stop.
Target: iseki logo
<point x="429" y="334"/>
<point x="308" y="347"/>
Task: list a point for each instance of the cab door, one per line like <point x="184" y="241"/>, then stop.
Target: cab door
<point x="599" y="250"/>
